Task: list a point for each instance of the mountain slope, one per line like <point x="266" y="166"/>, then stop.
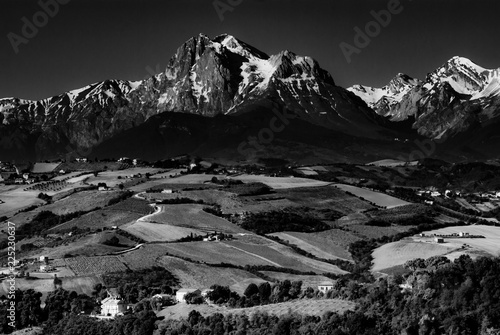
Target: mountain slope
<point x="207" y="77"/>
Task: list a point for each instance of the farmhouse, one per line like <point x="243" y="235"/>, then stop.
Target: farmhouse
<point x="166" y="191"/>
<point x="325" y="286"/>
<point x="181" y="294"/>
<point x="112" y="305"/>
<point x="43" y="258"/>
<point x="439" y="240"/>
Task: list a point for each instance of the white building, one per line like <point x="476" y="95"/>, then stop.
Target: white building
<point x="112" y="305"/>
<point x="180" y="296"/>
<point x="325" y="286"/>
<point x="166" y="191"/>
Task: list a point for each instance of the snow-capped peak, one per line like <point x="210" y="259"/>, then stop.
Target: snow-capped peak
<point x="391" y="94"/>
<point x="463" y="75"/>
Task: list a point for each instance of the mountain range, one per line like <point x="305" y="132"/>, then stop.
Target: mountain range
<point x="222" y="97"/>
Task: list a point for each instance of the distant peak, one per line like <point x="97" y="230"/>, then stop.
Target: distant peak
<point x="457" y="61"/>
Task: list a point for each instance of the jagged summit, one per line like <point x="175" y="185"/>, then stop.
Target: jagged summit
<point x="205" y="76"/>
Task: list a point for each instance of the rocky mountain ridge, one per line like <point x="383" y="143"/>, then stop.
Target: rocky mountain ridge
<point x="207" y="77"/>
<point x="456" y="97"/>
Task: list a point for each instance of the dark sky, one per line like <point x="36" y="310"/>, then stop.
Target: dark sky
<point x="92" y="40"/>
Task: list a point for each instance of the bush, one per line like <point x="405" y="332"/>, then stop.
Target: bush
<point x="194" y="298"/>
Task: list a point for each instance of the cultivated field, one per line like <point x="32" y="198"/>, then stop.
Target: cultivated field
<point x="302" y="307"/>
<point x="307" y="171"/>
<point x="376" y="232"/>
<point x="393" y="163"/>
<point x="329" y="244"/>
<point x="111" y="177"/>
<point x="228" y="201"/>
<point x="14" y="199"/>
<point x="127" y="211"/>
<point x="85" y="266"/>
<point x="216" y="253"/>
<point x="67" y="176"/>
<point x="307" y="281"/>
<point x="397" y="253"/>
<point x="88" y="245"/>
<point x="281" y="182"/>
<point x="327" y="197"/>
<point x="80" y="201"/>
<point x="173" y="222"/>
<point x="79" y="179"/>
<point x="490" y="244"/>
<point x="146" y="256"/>
<point x="78" y="284"/>
<point x="377" y="198"/>
<point x="274" y="182"/>
<point x="249" y="250"/>
<point x="159" y="232"/>
<point x="203" y="276"/>
<point x="44" y="167"/>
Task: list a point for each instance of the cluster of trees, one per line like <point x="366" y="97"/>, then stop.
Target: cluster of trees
<point x="58" y="304"/>
<point x="134" y="286"/>
<point x="43" y="221"/>
<point x="140" y="323"/>
<point x="45" y="197"/>
<point x="254" y="295"/>
<point x="214" y="210"/>
<point x="181" y="200"/>
<point x="122" y="196"/>
<point x="288" y="219"/>
<point x="113" y="242"/>
<point x="459" y="297"/>
<point x="250" y="189"/>
<point x="130" y="236"/>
